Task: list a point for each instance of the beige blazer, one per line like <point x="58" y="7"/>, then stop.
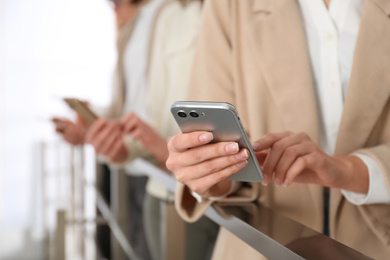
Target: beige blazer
<point x="253" y="54"/>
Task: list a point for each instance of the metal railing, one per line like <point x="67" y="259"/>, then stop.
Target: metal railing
<point x="256" y="225"/>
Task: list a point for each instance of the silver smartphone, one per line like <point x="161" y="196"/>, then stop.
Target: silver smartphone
<point x="223" y="121"/>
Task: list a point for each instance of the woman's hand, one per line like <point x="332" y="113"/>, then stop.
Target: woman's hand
<point x="73" y="133"/>
<point x="148" y="137"/>
<point x="107" y="138"/>
<point x="294" y="157"/>
<point x="202" y="166"/>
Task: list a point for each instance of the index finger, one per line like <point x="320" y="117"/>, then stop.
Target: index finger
<point x="96" y="127"/>
<point x="58" y="120"/>
<point x="185" y="141"/>
<point x="131" y="123"/>
<point x="268" y="140"/>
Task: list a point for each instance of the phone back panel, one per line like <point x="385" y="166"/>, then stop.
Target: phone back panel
<point x="81" y="109"/>
<point x="223" y="121"/>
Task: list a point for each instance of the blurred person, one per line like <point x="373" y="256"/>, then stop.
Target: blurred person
<point x="172" y="51"/>
<point x="145" y="130"/>
<point x="310" y="81"/>
<point x="171" y="56"/>
<point x="107" y="136"/>
<point x="134" y="20"/>
<point x="72" y="132"/>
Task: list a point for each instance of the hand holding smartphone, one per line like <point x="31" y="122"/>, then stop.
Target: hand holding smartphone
<point x="223" y="121"/>
<point x="82" y="109"/>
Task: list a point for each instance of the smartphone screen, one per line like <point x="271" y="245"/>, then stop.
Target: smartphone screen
<point x="223" y="121"/>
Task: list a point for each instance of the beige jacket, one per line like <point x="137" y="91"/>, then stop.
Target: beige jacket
<point x="253" y="54"/>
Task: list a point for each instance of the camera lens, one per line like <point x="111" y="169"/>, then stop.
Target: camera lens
<point x="181" y="113"/>
<point x="194" y="114"/>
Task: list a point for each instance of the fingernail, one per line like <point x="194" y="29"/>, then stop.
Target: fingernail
<point x="242" y="155"/>
<point x="256" y="146"/>
<point x="206" y="137"/>
<point x="277" y="182"/>
<point x="243" y="163"/>
<point x="265" y="180"/>
<point x="285" y="183"/>
<point x="232" y="148"/>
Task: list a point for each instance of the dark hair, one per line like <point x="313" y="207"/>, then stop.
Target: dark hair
<point x="129" y="1"/>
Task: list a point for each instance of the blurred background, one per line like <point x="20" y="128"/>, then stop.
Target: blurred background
<point x="49" y="49"/>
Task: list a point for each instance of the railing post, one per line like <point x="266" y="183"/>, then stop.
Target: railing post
<point x="60" y="244"/>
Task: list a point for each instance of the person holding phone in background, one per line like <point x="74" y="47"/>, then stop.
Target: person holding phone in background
<point x="310" y="81"/>
<point x="109" y="122"/>
<point x="140" y="122"/>
<point x="170" y="61"/>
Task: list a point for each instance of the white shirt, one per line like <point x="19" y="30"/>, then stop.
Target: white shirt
<point x="331" y="37"/>
<point x="172" y="53"/>
<point x="136" y="59"/>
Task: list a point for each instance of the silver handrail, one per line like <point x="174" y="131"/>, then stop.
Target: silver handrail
<point x="262" y="230"/>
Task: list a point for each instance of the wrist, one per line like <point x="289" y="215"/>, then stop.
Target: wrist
<point x="220" y="189"/>
<point x="354" y="174"/>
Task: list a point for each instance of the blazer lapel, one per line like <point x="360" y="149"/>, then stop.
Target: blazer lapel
<point x="369" y="86"/>
<point x="279" y="42"/>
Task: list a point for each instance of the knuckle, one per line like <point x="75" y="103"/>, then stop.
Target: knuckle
<point x="270" y="136"/>
<point x="173" y="143"/>
<point x="317" y="160"/>
<point x="180" y="177"/>
<point x="198" y="188"/>
<point x="220" y="176"/>
<point x="196" y="155"/>
<point x="313" y="147"/>
<point x="210" y="167"/>
<point x="267" y="169"/>
<point x="303" y="161"/>
<point x="170" y="163"/>
<point x="170" y="145"/>
<point x="278" y="146"/>
<point x="219" y="149"/>
<point x="303" y="136"/>
<point x="290" y="151"/>
<point x="232" y="159"/>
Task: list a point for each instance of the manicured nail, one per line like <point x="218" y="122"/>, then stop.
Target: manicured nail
<point x="206" y="137"/>
<point x="285" y="183"/>
<point x="232" y="148"/>
<point x="242" y="155"/>
<point x="265" y="180"/>
<point x="256" y="146"/>
<point x="242" y="164"/>
<point x="277" y="182"/>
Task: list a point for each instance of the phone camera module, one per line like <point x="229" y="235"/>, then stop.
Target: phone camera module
<point x="194" y="114"/>
<point x="181" y="113"/>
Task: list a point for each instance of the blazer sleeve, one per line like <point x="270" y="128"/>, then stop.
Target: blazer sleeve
<point x="191" y="210"/>
<point x="135" y="150"/>
<point x="381" y="155"/>
<point x="212" y="80"/>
